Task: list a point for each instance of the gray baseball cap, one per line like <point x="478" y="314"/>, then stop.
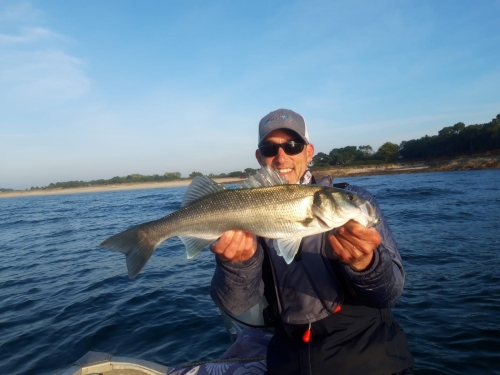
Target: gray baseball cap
<point x="283" y="119"/>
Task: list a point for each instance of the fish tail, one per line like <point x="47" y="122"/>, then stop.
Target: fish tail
<point x="137" y="244"/>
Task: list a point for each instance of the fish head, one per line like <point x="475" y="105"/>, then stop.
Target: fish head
<point x="334" y="207"/>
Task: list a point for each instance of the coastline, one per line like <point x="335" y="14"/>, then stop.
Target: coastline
<point x="108" y="188"/>
<point x="437" y="165"/>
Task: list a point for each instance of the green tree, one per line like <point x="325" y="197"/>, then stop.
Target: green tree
<point x="458" y="127"/>
<point x="194" y="174"/>
<point x="492" y="131"/>
<point x="446" y="132"/>
<point x="388" y="151"/>
<point x="343" y="155"/>
<point x="473" y="136"/>
<point x="172" y="175"/>
<point x="321" y="159"/>
<point x="365" y="151"/>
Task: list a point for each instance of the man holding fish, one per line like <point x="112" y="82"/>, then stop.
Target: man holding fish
<point x="331" y="304"/>
<point x="322" y="255"/>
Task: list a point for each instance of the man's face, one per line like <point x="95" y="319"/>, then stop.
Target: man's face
<point x="292" y="167"/>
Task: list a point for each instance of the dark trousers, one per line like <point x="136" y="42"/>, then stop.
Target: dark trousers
<point x="357" y="340"/>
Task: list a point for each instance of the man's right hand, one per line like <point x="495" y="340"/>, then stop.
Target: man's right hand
<point x="235" y="246"/>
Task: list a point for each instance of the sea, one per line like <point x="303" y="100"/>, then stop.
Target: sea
<point x="61" y="295"/>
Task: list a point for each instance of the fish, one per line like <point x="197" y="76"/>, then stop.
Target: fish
<point x="265" y="205"/>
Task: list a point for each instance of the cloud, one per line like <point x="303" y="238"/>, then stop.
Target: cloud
<point x="44" y="75"/>
<point x="34" y="64"/>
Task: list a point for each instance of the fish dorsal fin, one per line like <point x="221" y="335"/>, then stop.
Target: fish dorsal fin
<point x="265" y="176"/>
<point x="195" y="245"/>
<point x="200" y="187"/>
<point x="287" y="248"/>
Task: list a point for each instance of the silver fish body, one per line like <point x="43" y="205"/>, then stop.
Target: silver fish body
<point x="285" y="213"/>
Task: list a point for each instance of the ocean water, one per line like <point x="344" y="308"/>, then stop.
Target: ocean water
<point x="61" y="295"/>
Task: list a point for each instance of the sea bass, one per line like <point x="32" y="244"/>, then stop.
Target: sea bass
<point x="266" y="205"/>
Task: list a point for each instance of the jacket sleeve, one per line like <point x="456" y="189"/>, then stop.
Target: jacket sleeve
<point x="236" y="287"/>
<point x="382" y="284"/>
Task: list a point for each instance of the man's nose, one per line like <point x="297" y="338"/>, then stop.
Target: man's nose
<point x="281" y="155"/>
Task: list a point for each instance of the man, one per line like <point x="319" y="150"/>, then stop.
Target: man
<point x="333" y="301"/>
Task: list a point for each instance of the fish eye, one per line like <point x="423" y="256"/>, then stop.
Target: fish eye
<point x="350" y="197"/>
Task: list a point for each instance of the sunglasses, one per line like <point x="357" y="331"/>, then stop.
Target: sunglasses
<point x="271" y="149"/>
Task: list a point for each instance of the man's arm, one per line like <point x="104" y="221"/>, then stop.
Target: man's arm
<point x="237" y="282"/>
<point x="371" y="261"/>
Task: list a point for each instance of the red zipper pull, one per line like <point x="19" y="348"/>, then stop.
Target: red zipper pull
<point x="337" y="309"/>
<point x="307" y="335"/>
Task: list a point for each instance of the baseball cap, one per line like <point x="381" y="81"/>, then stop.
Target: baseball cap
<point x="283" y="119"/>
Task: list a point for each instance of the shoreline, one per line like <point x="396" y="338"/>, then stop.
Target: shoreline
<point x="108" y="188"/>
<point x="459" y="164"/>
<point x="437" y="165"/>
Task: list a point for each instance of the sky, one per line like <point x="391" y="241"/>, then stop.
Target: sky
<point x="96" y="89"/>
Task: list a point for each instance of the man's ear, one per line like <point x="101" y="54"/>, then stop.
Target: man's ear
<point x="259" y="158"/>
<point x="309" y="152"/>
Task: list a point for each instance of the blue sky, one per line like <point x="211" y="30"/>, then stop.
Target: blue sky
<point x="95" y="89"/>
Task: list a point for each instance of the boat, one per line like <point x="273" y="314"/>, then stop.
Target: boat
<point x="97" y="363"/>
<point x="248" y="329"/>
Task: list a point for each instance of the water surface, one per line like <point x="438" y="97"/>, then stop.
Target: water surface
<point x="61" y="295"/>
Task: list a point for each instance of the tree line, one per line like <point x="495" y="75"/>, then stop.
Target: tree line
<point x="236" y="174"/>
<point x="167" y="176"/>
<point x="453" y="140"/>
<point x="450" y="141"/>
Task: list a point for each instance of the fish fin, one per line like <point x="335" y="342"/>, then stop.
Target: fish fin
<point x="287" y="248"/>
<point x="265" y="176"/>
<point x="136" y="247"/>
<point x="200" y="187"/>
<point x="194" y="244"/>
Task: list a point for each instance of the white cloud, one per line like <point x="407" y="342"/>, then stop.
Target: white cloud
<point x="42" y="75"/>
<point x="34" y="64"/>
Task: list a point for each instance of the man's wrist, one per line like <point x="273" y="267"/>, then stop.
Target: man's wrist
<point x="364" y="264"/>
<point x="375" y="262"/>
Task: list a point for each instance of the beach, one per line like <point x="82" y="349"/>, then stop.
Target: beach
<point x="108" y="188"/>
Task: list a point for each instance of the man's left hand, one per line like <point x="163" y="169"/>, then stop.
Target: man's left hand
<point x="354" y="244"/>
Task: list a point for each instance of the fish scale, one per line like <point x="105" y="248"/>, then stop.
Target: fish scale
<point x="249" y="210"/>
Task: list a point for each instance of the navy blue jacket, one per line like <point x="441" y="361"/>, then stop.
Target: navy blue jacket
<point x="236" y="287"/>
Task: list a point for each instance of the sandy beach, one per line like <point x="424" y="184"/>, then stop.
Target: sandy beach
<point x="108" y="188"/>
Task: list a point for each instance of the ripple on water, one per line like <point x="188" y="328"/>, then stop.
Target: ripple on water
<point x="62" y="295"/>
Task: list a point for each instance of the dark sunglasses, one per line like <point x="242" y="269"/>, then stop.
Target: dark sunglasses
<point x="271" y="149"/>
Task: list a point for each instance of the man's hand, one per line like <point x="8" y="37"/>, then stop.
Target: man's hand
<point x="235" y="246"/>
<point x="354" y="244"/>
